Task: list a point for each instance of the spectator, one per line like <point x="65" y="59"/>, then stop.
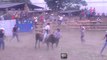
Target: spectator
<point x="36" y="20"/>
<point x="82" y="30"/>
<point x="13" y="17"/>
<point x="2" y="17"/>
<point x="60" y="20"/>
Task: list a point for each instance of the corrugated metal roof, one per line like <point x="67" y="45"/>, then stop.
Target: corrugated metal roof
<point x="9" y="5"/>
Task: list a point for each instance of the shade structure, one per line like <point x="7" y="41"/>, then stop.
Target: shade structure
<point x="18" y="6"/>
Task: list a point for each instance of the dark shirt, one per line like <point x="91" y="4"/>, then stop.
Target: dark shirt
<point x="1" y="34"/>
<point x="15" y="29"/>
<point x="106" y="36"/>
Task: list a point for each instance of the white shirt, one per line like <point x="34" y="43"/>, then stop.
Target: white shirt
<point x="36" y="19"/>
<point x="47" y="27"/>
<point x="3" y="30"/>
<point x="98" y="19"/>
<point x="60" y="18"/>
<point x="2" y="17"/>
<point x="82" y="30"/>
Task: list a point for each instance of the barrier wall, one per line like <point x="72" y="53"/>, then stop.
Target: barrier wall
<point x="23" y="26"/>
<point x="8" y="26"/>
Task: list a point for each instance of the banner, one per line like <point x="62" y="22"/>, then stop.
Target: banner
<point x="25" y="25"/>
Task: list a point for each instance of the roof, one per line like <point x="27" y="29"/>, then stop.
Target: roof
<point x="17" y="5"/>
<point x="33" y="6"/>
<point x="9" y="5"/>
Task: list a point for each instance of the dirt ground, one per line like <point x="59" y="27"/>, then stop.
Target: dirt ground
<point x="69" y="43"/>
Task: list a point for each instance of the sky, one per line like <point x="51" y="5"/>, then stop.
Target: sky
<point x="100" y="6"/>
<point x="42" y="1"/>
<point x="39" y="3"/>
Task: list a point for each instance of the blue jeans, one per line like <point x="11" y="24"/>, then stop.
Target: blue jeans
<point x="2" y="43"/>
<point x="16" y="35"/>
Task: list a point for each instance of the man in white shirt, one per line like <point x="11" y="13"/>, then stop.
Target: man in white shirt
<point x="98" y="20"/>
<point x="2" y="17"/>
<point x="46" y="30"/>
<point x="60" y="20"/>
<point x="82" y="33"/>
<point x="36" y="20"/>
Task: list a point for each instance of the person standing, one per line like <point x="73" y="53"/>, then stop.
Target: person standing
<point x="2" y="17"/>
<point x="15" y="32"/>
<point x="2" y="44"/>
<point x="105" y="37"/>
<point x="57" y="35"/>
<point x="82" y="14"/>
<point x="60" y="20"/>
<point x="82" y="31"/>
<point x="35" y="20"/>
<point x="42" y="19"/>
<point x="98" y="20"/>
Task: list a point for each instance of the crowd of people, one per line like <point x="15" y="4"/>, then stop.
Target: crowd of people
<point x="90" y="13"/>
<point x="17" y="14"/>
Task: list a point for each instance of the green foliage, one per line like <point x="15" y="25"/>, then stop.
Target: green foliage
<point x="84" y="3"/>
<point x="65" y="4"/>
<point x="54" y="4"/>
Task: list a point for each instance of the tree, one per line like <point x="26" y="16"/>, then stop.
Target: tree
<point x="84" y="3"/>
<point x="54" y="4"/>
<point x="65" y="4"/>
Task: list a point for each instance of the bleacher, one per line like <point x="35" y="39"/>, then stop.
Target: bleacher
<point x="89" y="25"/>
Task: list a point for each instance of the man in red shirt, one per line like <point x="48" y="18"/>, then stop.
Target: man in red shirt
<point x="13" y="17"/>
<point x="41" y="19"/>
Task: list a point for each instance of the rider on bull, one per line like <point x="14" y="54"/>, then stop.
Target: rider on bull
<point x="46" y="30"/>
